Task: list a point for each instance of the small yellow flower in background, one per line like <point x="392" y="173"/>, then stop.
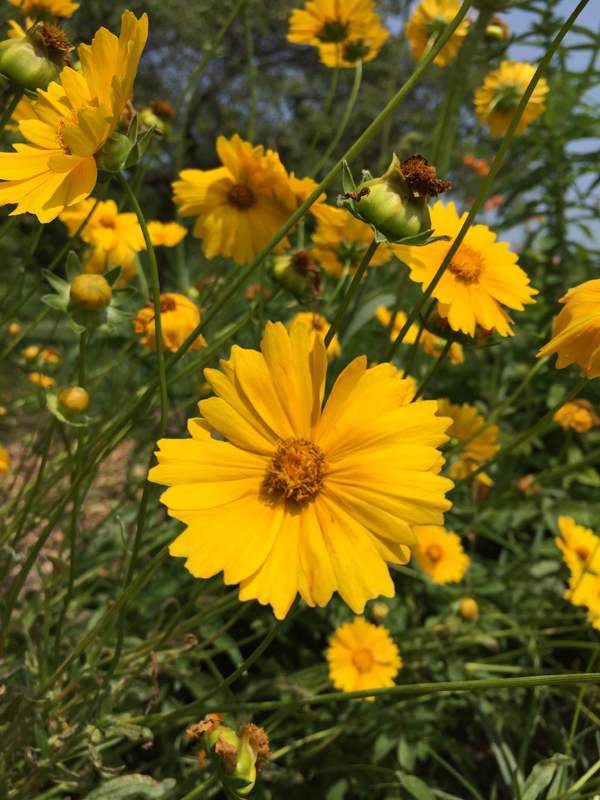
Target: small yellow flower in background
<point x="482" y="274"/>
<point x="580" y="548"/>
<point x="14" y="329"/>
<point x="380" y="610"/>
<point x="241" y="205"/>
<point x="363" y="44"/>
<point x="114" y="237"/>
<point x="463" y="467"/>
<point x="317" y="324"/>
<point x="428" y="22"/>
<point x="50" y="355"/>
<point x="3" y="410"/>
<point x="4" y="460"/>
<point x="179" y="317"/>
<point x="466" y="420"/>
<point x="31" y="353"/>
<point x="74" y="120"/>
<point x="330" y="21"/>
<point x="345" y="242"/>
<point x="439" y="553"/>
<point x="300" y="499"/>
<point x="166" y="234"/>
<point x="497" y="100"/>
<point x="576" y="334"/>
<point x="15" y="30"/>
<point x="578" y="414"/>
<point x="468" y="608"/>
<point x="58" y="8"/>
<point x="42" y="380"/>
<point x="302" y="188"/>
<point x="74" y="399"/>
<point x="362" y="656"/>
<point x="430" y="343"/>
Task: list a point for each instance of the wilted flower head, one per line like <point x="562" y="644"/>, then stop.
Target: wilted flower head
<point x="36" y="59"/>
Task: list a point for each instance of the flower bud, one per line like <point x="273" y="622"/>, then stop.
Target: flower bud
<point x="497" y="29"/>
<point x="31" y="353"/>
<point x="114" y="152"/>
<point x="36" y="59"/>
<point x="74" y="399"/>
<point x="4" y="460"/>
<point x="91" y="292"/>
<point x="469" y="608"/>
<point x="296" y="272"/>
<point x="14" y="329"/>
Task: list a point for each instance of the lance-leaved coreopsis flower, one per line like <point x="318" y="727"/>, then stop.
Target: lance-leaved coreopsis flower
<point x="362" y="656"/>
<point x="576" y="334"/>
<point x="580" y="548"/>
<point x="433" y="345"/>
<point x="342" y="245"/>
<point x="55" y="8"/>
<point x="440" y="554"/>
<point x="331" y="21"/>
<point x="299" y="499"/>
<point x="179" y="317"/>
<point x="578" y="414"/>
<point x="241" y="205"/>
<point x="482" y="275"/>
<point x="363" y="43"/>
<point x="466" y="420"/>
<point x="74" y="120"/>
<point x="497" y="100"/>
<point x="428" y="22"/>
<point x="4" y="460"/>
<point x="316" y="323"/>
<point x="166" y="234"/>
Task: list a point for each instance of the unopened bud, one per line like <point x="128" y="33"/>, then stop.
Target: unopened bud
<point x="91" y="292"/>
<point x="295" y="272"/>
<point x="469" y="608"/>
<point x="74" y="399"/>
<point x="114" y="152"/>
<point x="31" y="353"/>
<point x="14" y="329"/>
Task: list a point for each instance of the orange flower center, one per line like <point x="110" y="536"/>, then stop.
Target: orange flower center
<point x="582" y="553"/>
<point x="68" y="121"/>
<point x="467" y="264"/>
<point x="167" y="304"/>
<point x="434" y="551"/>
<point x="107" y="221"/>
<point x="362" y="659"/>
<point x="55" y="38"/>
<point x="297" y="470"/>
<point x="241" y="196"/>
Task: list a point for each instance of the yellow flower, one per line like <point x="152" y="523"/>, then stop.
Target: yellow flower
<point x="326" y="21"/>
<point x="299" y="500"/>
<point x="57" y="8"/>
<point x="115" y="238"/>
<point x="576" y="335"/>
<point x="74" y="120"/>
<point x="439" y="553"/>
<point x="303" y="188"/>
<point x="580" y="548"/>
<point x="463" y="467"/>
<point x="466" y="420"/>
<point x="482" y="274"/>
<point x="362" y="656"/>
<point x="4" y="460"/>
<point x="24" y="110"/>
<point x="179" y="317"/>
<point x="429" y="20"/>
<point x="90" y="292"/>
<point x="362" y="44"/>
<point x="50" y="355"/>
<point x="241" y="205"/>
<point x="345" y="242"/>
<point x="497" y="100"/>
<point x="578" y="414"/>
<point x="74" y="399"/>
<point x="317" y="324"/>
<point x="42" y="380"/>
<point x="31" y="353"/>
<point x="430" y="343"/>
<point x="14" y="329"/>
<point x="469" y="608"/>
<point x="166" y="234"/>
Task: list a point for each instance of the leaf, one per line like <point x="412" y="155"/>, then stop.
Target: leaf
<point x="112" y="275"/>
<point x="58" y="284"/>
<point x="132" y="131"/>
<point x="416" y="787"/>
<point x="541" y="775"/>
<point x="122" y="294"/>
<point x="73" y="266"/>
<point x="55" y="301"/>
<point x="366" y="176"/>
<point x="348" y="184"/>
<point x="367" y="313"/>
<point x="132" y="786"/>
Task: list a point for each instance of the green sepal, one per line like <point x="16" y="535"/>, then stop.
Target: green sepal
<point x="58" y="284"/>
<point x="132" y="131"/>
<point x="122" y="295"/>
<point x="56" y="301"/>
<point x="115" y="315"/>
<point x="112" y="276"/>
<point x="138" y="150"/>
<point x="104" y="177"/>
<point x="348" y="184"/>
<point x="366" y="176"/>
<point x="73" y="266"/>
<point x="379" y="237"/>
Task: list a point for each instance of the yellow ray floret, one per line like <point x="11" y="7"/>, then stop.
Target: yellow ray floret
<point x="482" y="275"/>
<point x="316" y="323"/>
<point x="439" y="553"/>
<point x="580" y="548"/>
<point x="73" y="121"/>
<point x="179" y="317"/>
<point x="326" y="21"/>
<point x="298" y="499"/>
<point x="362" y="656"/>
<point x="58" y="8"/>
<point x="430" y="343"/>
<point x="362" y="44"/>
<point x="428" y="22"/>
<point x="578" y="414"/>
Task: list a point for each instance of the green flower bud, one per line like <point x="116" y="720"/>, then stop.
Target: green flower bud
<point x="112" y="156"/>
<point x="296" y="272"/>
<point x="35" y="60"/>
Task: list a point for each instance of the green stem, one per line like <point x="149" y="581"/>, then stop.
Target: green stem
<point x="160" y="356"/>
<point x="434" y="370"/>
<point x="370" y="252"/>
<point x="344" y="122"/>
<point x="519" y="440"/>
<point x="339" y="284"/>
<point x="251" y="75"/>
<point x="578" y="706"/>
<point x="322" y="120"/>
<point x="483" y="192"/>
<point x="399" y="297"/>
<point x="412" y="353"/>
<point x="559" y="472"/>
<point x="8" y="111"/>
<point x="261" y="305"/>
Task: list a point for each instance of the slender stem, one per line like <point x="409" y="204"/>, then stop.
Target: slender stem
<point x="412" y="352"/>
<point x="399" y="297"/>
<point x="344" y="122"/>
<point x="322" y="120"/>
<point x="434" y="370"/>
<point x="370" y="252"/>
<point x="519" y="440"/>
<point x="8" y="111"/>
<point x="339" y="284"/>
<point x="160" y="356"/>
<point x="489" y="178"/>
<point x="578" y="706"/>
<point x="261" y="305"/>
<point x="251" y="74"/>
<point x="559" y="472"/>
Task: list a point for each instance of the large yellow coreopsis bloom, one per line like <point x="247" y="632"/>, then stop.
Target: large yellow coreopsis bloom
<point x="74" y="120"/>
<point x="345" y="241"/>
<point x="362" y="656"/>
<point x="439" y="553"/>
<point x="580" y="548"/>
<point x="363" y="44"/>
<point x="58" y="8"/>
<point x="465" y="421"/>
<point x="576" y="335"/>
<point x="497" y="100"/>
<point x="300" y="499"/>
<point x="241" y="205"/>
<point x="115" y="237"/>
<point x="482" y="274"/>
<point x="428" y="22"/>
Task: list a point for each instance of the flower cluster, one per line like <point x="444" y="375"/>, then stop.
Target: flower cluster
<point x="581" y="553"/>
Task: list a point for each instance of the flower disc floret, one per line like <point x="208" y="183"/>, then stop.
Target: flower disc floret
<point x="296" y="470"/>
